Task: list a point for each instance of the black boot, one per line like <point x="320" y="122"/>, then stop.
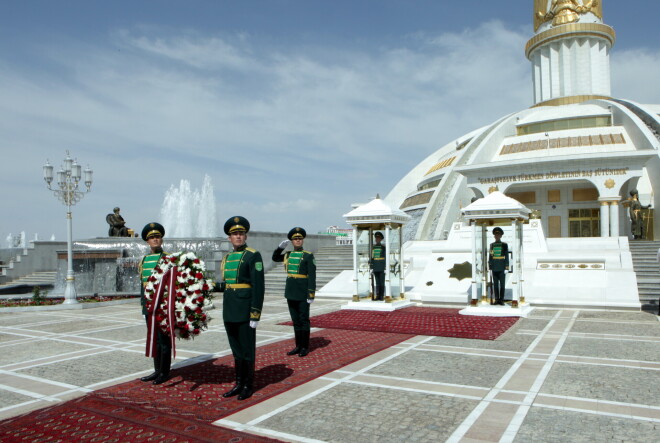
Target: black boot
<point x="165" y="363"/>
<point x="295" y="350"/>
<point x="248" y="374"/>
<point x="304" y="343"/>
<point x="150" y="377"/>
<point x="240" y="380"/>
<point x="153" y="376"/>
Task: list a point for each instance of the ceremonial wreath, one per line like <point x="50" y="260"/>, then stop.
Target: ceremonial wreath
<point x="179" y="294"/>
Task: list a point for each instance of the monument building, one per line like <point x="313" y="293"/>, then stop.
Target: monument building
<point x="575" y="158"/>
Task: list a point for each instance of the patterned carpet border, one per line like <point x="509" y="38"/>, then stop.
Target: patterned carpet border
<point x="91" y="418"/>
<point x="416" y="321"/>
<point x="183" y="408"/>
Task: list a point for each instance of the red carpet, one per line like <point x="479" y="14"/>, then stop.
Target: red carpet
<point x="417" y="321"/>
<point x="93" y="419"/>
<point x="182" y="408"/>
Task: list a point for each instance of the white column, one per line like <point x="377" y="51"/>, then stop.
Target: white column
<point x="604" y="218"/>
<point x="614" y="217"/>
<point x="484" y="263"/>
<point x="516" y="271"/>
<point x="474" y="295"/>
<point x="402" y="286"/>
<point x="356" y="296"/>
<point x="388" y="289"/>
<point x="70" y="287"/>
<point x="521" y="264"/>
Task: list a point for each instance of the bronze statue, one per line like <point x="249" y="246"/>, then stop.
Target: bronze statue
<point x="637" y="227"/>
<point x="117" y="225"/>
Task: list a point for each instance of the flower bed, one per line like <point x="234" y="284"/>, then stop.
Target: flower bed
<point x="24" y="302"/>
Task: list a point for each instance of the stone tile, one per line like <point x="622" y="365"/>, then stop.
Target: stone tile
<point x="9" y="398"/>
<point x="508" y="342"/>
<point x="446" y="368"/>
<point x="627" y="385"/>
<point x="534" y="324"/>
<point x="129" y="333"/>
<point x="208" y="342"/>
<point x="617" y="329"/>
<point x="551" y="425"/>
<point x="626" y="350"/>
<point x="378" y="416"/>
<point x="510" y="396"/>
<point x="547" y="400"/>
<point x="92" y="369"/>
<point x="653" y="414"/>
<point x="39" y="387"/>
<point x="24" y="319"/>
<point x="45" y="348"/>
<point x="617" y="315"/>
<point x="12" y="338"/>
<point x="71" y="326"/>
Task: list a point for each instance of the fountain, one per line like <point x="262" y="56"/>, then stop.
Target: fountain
<point x="188" y="213"/>
<point x="110" y="265"/>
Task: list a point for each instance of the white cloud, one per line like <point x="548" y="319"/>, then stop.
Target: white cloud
<point x="635" y="75"/>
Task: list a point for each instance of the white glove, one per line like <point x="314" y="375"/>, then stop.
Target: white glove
<point x="506" y="271"/>
<point x="310" y="300"/>
<point x="254" y="324"/>
<point x="284" y="244"/>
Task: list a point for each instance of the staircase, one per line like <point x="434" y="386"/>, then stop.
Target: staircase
<point x="330" y="261"/>
<point x="645" y="263"/>
<point x="45" y="279"/>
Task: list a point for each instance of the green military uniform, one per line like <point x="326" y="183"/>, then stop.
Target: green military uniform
<point x="377" y="263"/>
<point x="498" y="262"/>
<point x="243" y="274"/>
<point x="147" y="266"/>
<point x="243" y="285"/>
<point x="300" y="288"/>
<point x="637" y="227"/>
<point x="163" y="356"/>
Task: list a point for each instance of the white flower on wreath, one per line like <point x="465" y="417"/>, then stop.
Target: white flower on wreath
<point x="193" y="294"/>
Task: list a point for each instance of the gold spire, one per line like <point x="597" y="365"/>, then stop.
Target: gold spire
<point x="562" y="12"/>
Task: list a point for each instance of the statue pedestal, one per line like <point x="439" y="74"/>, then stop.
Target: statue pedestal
<point x="498" y="311"/>
<point x="370" y="305"/>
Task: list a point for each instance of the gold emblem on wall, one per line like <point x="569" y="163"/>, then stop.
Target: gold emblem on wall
<point x="461" y="271"/>
<point x="609" y="183"/>
<point x="493" y="189"/>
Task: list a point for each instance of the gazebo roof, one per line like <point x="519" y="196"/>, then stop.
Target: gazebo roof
<point x="496" y="205"/>
<point x="376" y="212"/>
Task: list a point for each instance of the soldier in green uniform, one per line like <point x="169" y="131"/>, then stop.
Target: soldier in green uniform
<point x="637" y="227"/>
<point x="498" y="263"/>
<point x="300" y="267"/>
<point x="378" y="266"/>
<point x="153" y="234"/>
<point x="243" y="285"/>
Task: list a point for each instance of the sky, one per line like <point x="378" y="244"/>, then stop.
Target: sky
<point x="296" y="109"/>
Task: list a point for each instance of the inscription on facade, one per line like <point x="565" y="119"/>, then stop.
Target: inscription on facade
<point x="551" y="175"/>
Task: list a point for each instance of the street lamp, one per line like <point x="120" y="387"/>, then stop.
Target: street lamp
<point x="68" y="178"/>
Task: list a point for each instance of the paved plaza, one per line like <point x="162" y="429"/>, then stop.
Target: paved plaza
<point x="558" y="375"/>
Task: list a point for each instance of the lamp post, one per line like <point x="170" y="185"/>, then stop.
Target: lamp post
<point x="68" y="179"/>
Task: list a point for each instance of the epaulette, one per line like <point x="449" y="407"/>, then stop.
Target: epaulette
<point x="250" y="249"/>
<point x="306" y="252"/>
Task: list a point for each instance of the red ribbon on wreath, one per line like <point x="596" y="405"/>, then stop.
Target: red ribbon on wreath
<point x="169" y="280"/>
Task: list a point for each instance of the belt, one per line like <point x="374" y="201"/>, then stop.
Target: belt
<point x="296" y="275"/>
<point x="382" y="258"/>
<point x="238" y="286"/>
